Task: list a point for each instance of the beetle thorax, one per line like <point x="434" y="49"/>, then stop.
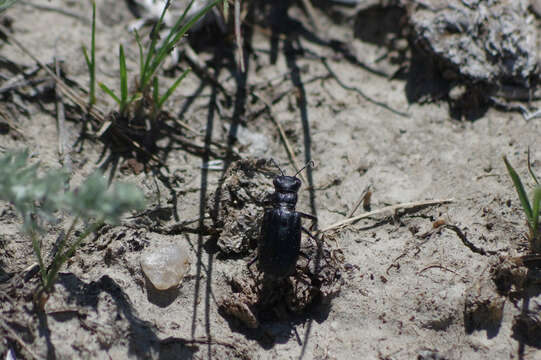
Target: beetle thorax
<point x="287" y="200"/>
<point x="286" y="188"/>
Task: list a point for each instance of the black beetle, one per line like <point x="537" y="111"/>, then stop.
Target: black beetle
<point x="280" y="238"/>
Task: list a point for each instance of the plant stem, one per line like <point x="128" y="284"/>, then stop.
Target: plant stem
<point x="535" y="241"/>
<point x="37" y="251"/>
<point x="61" y="258"/>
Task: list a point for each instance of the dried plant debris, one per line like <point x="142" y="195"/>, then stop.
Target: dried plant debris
<point x="256" y="299"/>
<point x="237" y="206"/>
<point x="493" y="42"/>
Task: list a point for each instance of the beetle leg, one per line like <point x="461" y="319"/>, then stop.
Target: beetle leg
<point x="309" y="234"/>
<point x="308" y="216"/>
<point x="311" y="217"/>
<point x="308" y="259"/>
<point x="252" y="261"/>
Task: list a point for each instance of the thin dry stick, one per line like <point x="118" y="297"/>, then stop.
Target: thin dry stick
<point x="392" y="208"/>
<point x="312" y="15"/>
<point x="282" y="133"/>
<point x="18" y="339"/>
<point x="361" y="200"/>
<point x="238" y="36"/>
<point x="12" y="126"/>
<point x="438" y="266"/>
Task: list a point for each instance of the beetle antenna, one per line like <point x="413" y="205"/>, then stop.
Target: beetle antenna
<point x="309" y="164"/>
<point x="273" y="162"/>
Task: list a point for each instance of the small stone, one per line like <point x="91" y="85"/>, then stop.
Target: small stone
<point x="166" y="265"/>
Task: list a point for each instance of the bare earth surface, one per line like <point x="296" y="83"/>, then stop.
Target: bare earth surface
<point x="410" y="287"/>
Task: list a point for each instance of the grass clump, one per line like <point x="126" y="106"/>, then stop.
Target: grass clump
<point x="4" y="4"/>
<point x="530" y="207"/>
<point x="91" y="59"/>
<point x="38" y="199"/>
<point x="150" y="60"/>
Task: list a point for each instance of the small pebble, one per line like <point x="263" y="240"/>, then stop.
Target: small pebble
<point x="166" y="265"/>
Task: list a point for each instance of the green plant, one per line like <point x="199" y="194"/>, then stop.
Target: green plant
<point x="531" y="209"/>
<point x="4" y="4"/>
<point x="150" y="61"/>
<point x="91" y="60"/>
<point x="38" y="198"/>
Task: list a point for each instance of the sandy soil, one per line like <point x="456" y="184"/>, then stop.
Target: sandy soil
<point x="409" y="289"/>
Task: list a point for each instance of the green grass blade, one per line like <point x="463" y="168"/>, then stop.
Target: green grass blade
<point x="155" y="90"/>
<point x="535" y="211"/>
<point x="93" y="57"/>
<point x="195" y="19"/>
<point x="37" y="252"/>
<point x="521" y="192"/>
<point x="61" y="258"/>
<point x="141" y="55"/>
<point x="123" y="80"/>
<point x="226" y="9"/>
<point x="4" y="4"/>
<point x="171" y="89"/>
<point x="109" y="92"/>
<point x="176" y="34"/>
<point x="91" y="60"/>
<point x="167" y="43"/>
<point x="91" y="71"/>
<point x="146" y="74"/>
<point x="87" y="59"/>
<point x="530" y="169"/>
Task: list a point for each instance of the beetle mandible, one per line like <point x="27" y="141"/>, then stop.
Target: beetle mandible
<point x="279" y="242"/>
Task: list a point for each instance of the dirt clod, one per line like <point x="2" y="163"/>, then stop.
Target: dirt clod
<point x="237" y="206"/>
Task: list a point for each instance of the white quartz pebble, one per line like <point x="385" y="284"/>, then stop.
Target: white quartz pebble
<point x="166" y="265"/>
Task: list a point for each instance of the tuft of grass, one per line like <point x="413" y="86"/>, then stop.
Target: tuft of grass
<point x="530" y="208"/>
<point x="4" y="4"/>
<point x="38" y="199"/>
<point x="151" y="59"/>
<point x="91" y="60"/>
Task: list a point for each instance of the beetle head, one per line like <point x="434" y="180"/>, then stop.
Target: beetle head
<point x="286" y="188"/>
<point x="287" y="184"/>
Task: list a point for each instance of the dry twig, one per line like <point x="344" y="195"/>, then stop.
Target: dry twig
<point x="387" y="209"/>
<point x="466" y="242"/>
<point x="238" y="36"/>
<point x="438" y="266"/>
<point x="17" y="338"/>
<point x="364" y="195"/>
